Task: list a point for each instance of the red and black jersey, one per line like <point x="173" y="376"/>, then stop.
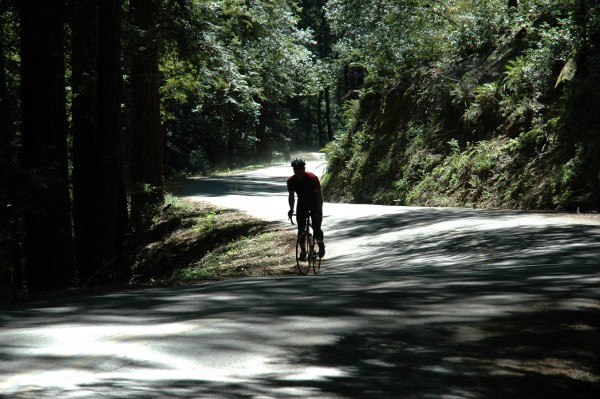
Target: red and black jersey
<point x="305" y="188"/>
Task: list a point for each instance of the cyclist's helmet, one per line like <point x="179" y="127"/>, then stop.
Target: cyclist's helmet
<point x="298" y="163"/>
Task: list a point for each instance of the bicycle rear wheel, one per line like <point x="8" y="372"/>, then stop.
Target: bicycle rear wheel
<point x="301" y="246"/>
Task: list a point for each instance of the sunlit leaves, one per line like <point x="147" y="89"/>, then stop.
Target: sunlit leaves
<point x="255" y="47"/>
<point x="388" y="36"/>
<point x="223" y="59"/>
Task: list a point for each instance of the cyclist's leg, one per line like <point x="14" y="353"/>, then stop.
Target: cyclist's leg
<point x="317" y="220"/>
<point x="301" y="221"/>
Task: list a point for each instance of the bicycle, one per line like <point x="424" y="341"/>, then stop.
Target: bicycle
<point x="307" y="244"/>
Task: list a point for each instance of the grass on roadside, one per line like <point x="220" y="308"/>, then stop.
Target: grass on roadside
<point x="190" y="242"/>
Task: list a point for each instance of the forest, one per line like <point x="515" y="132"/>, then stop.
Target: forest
<point x="488" y="104"/>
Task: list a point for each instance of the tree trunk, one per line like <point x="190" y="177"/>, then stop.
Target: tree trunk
<point x="328" y="114"/>
<point x="148" y="141"/>
<point x="86" y="154"/>
<point x="98" y="186"/>
<point x="320" y="134"/>
<point x="48" y="238"/>
<point x="263" y="133"/>
<point x="345" y="81"/>
<point x="6" y="148"/>
<point x="113" y="206"/>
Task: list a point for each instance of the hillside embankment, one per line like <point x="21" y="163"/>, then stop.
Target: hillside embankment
<point x="508" y="129"/>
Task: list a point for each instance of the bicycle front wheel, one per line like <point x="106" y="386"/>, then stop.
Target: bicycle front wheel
<point x="301" y="248"/>
<point x="313" y="255"/>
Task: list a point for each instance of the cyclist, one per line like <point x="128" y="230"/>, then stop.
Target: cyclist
<point x="310" y="198"/>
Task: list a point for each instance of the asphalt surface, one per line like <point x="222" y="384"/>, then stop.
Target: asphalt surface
<point x="410" y="303"/>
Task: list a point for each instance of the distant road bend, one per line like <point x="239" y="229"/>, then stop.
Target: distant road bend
<point x="411" y="303"/>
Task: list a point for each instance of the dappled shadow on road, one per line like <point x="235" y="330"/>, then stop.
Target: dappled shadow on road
<point x="465" y="237"/>
<point x="467" y="310"/>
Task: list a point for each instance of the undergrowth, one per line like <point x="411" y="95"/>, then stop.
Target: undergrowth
<point x="194" y="241"/>
<point x="512" y="128"/>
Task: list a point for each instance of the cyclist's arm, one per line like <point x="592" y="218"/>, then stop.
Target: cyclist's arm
<point x="318" y="192"/>
<point x="291" y="199"/>
<point x="320" y="200"/>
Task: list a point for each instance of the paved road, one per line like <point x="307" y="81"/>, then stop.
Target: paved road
<point x="411" y="303"/>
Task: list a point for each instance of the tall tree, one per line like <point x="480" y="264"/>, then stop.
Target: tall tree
<point x="86" y="160"/>
<point x="113" y="203"/>
<point x="97" y="174"/>
<point x="314" y="18"/>
<point x="8" y="107"/>
<point x="320" y="133"/>
<point x="5" y="128"/>
<point x="148" y="137"/>
<point x="48" y="242"/>
<point x="264" y="131"/>
<point x="328" y="114"/>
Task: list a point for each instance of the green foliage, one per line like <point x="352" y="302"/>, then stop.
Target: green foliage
<point x="475" y="25"/>
<point x="565" y="175"/>
<point x="424" y="94"/>
<point x="387" y="37"/>
<point x="528" y="142"/>
<point x="223" y="61"/>
<point x="338" y="150"/>
<point x="485" y="119"/>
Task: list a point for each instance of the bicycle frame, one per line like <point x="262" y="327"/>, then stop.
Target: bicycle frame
<point x="307" y="247"/>
<point x="308" y="224"/>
